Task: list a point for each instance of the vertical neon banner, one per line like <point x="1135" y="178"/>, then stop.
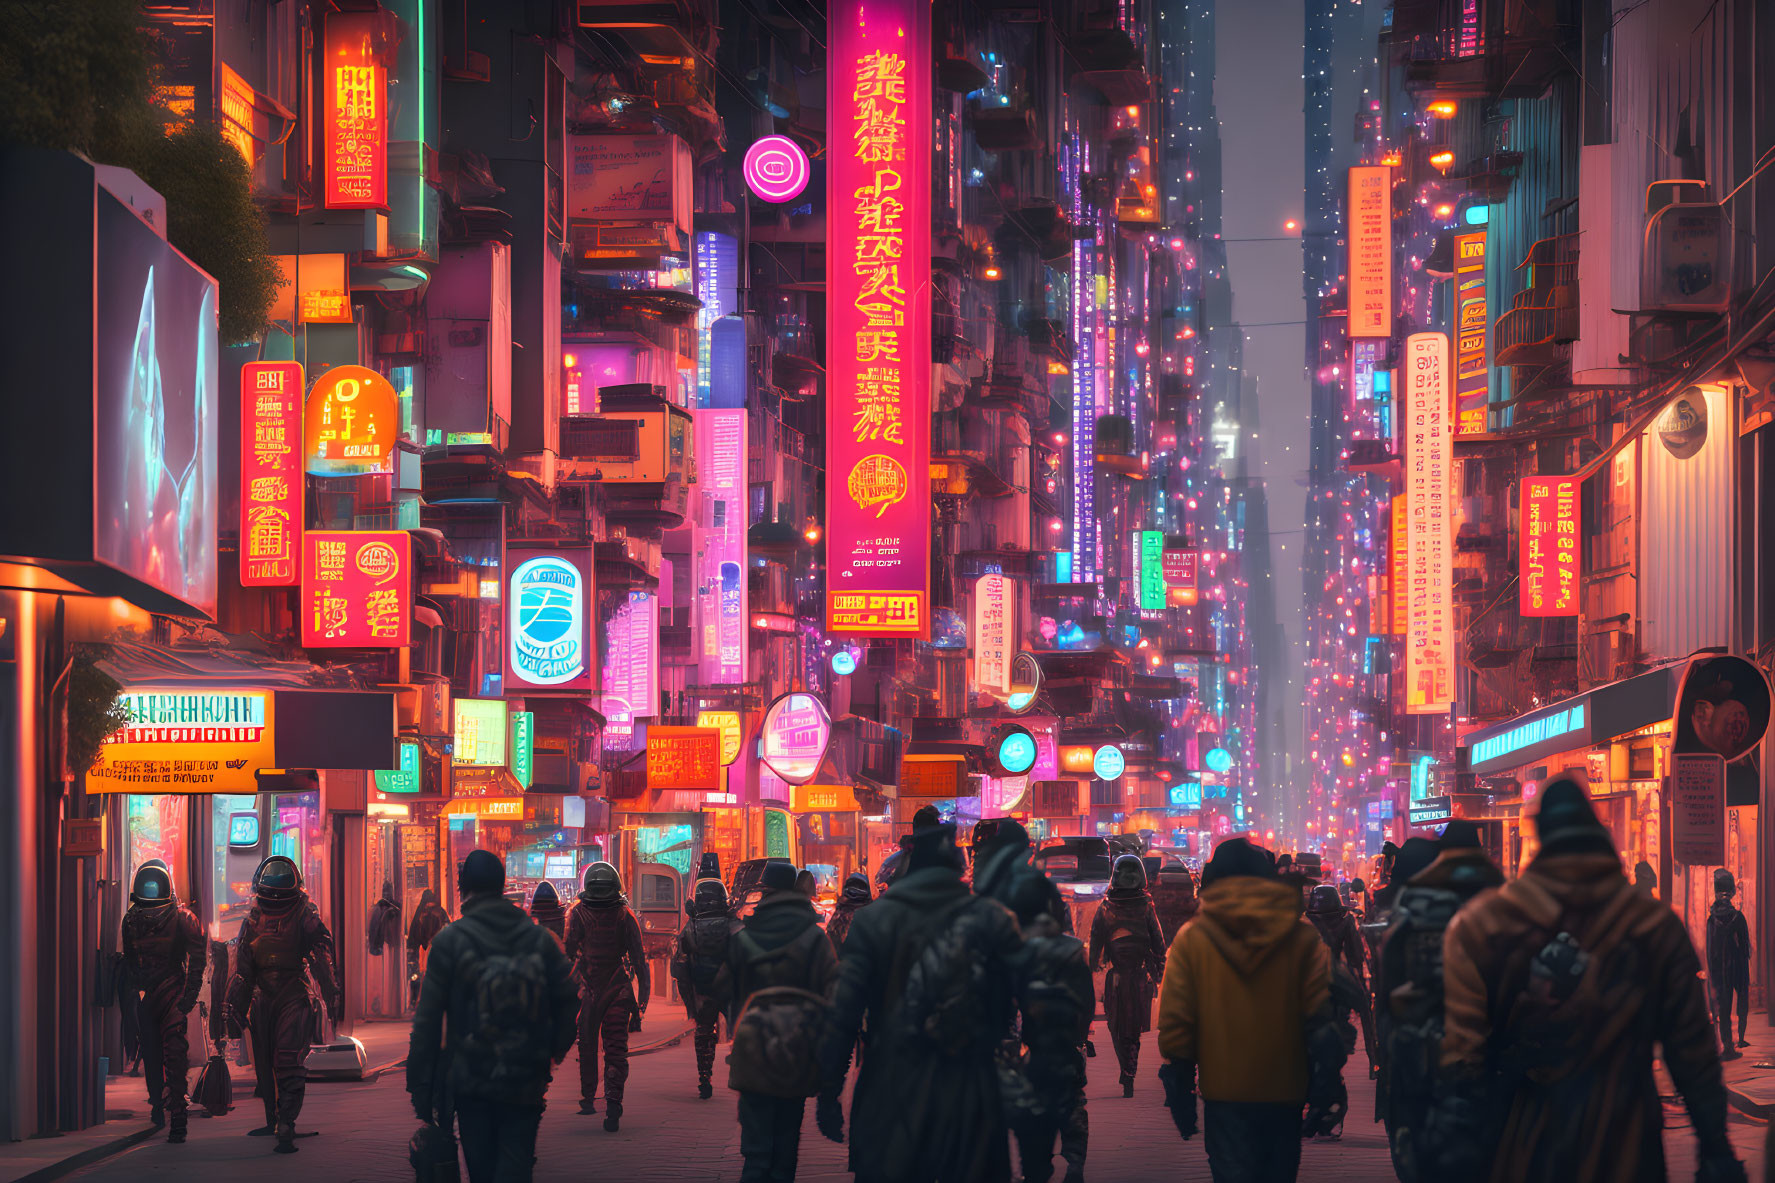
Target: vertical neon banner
<point x="1371" y="251"/>
<point x="1429" y="527"/>
<point x="270" y="473"/>
<point x="1472" y="327"/>
<point x="1548" y="570"/>
<point x="878" y="276"/>
<point x="355" y="88"/>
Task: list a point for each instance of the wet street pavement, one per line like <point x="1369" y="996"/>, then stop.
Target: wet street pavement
<point x="670" y="1136"/>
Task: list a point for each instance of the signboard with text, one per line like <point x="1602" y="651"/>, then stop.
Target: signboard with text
<point x="270" y="473"/>
<point x="187" y="741"/>
<point x="1429" y="527"/>
<point x="878" y="283"/>
<point x="549" y="605"/>
<point x="352" y="420"/>
<point x="354" y="150"/>
<point x="1371" y="251"/>
<point x="720" y="534"/>
<point x="683" y="758"/>
<point x="822" y="799"/>
<point x="796" y="730"/>
<point x="357" y="589"/>
<point x="1180" y="568"/>
<point x="481" y="732"/>
<point x="1698" y="809"/>
<point x="1473" y="329"/>
<point x="994" y="608"/>
<point x="1548" y="582"/>
<point x="1149" y="566"/>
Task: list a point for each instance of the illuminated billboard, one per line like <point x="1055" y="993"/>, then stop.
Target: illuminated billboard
<point x="878" y="252"/>
<point x="1472" y="329"/>
<point x="995" y="610"/>
<point x="720" y="540"/>
<point x="630" y="658"/>
<point x="351" y="424"/>
<point x="481" y="732"/>
<point x="357" y="589"/>
<point x="1548" y="571"/>
<point x="187" y="741"/>
<point x="270" y="472"/>
<point x="1371" y="251"/>
<point x="548" y="628"/>
<point x="1429" y="527"/>
<point x="354" y="83"/>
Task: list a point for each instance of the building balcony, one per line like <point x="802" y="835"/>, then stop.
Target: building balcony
<point x="1543" y="318"/>
<point x="1489" y="49"/>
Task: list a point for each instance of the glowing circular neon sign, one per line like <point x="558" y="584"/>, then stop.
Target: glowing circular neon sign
<point x="776" y="169"/>
<point x="1016" y="752"/>
<point x="1218" y="759"/>
<point x="844" y="662"/>
<point x="1108" y="763"/>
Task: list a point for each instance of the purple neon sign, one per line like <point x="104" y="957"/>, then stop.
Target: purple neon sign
<point x="776" y="168"/>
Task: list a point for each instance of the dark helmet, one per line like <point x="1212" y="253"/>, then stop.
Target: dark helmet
<point x="1566" y="822"/>
<point x="602" y="883"/>
<point x="277" y="881"/>
<point x="856" y="888"/>
<point x="1723" y="883"/>
<point x="710" y="898"/>
<point x="153" y="887"/>
<point x="1325" y="901"/>
<point x="1129" y="873"/>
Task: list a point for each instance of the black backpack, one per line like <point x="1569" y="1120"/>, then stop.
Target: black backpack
<point x="776" y="1039"/>
<point x="942" y="1004"/>
<point x="508" y="1046"/>
<point x="708" y="951"/>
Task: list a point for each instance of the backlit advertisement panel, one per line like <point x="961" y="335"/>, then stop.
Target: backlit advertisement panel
<point x="717" y="259"/>
<point x="630" y="657"/>
<point x="684" y="758"/>
<point x="354" y="149"/>
<point x="720" y="534"/>
<point x="1548" y="583"/>
<point x="357" y="589"/>
<point x="878" y="255"/>
<point x="270" y="472"/>
<point x="1149" y="566"/>
<point x="995" y="607"/>
<point x="481" y="732"/>
<point x="1473" y="328"/>
<point x="548" y="628"/>
<point x="1371" y="251"/>
<point x="1429" y="527"/>
<point x="351" y="423"/>
<point x="187" y="741"/>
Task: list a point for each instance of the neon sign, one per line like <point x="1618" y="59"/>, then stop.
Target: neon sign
<point x="270" y="472"/>
<point x="776" y="169"/>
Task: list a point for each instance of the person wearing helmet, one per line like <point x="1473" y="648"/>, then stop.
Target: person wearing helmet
<point x="702" y="951"/>
<point x="547" y="910"/>
<point x="1728" y="962"/>
<point x="1125" y="932"/>
<point x="1174" y="900"/>
<point x="604" y="945"/>
<point x="163" y="950"/>
<point x="1337" y="928"/>
<point x="282" y="940"/>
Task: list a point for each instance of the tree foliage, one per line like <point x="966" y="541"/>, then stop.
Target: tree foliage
<point x="80" y="75"/>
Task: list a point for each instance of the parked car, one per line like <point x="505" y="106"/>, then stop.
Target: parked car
<point x="747" y="887"/>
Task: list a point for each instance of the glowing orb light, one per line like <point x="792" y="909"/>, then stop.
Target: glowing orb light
<point x="776" y="168"/>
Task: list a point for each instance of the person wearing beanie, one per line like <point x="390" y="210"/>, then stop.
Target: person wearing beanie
<point x="604" y="944"/>
<point x="547" y="910"/>
<point x="1728" y="962"/>
<point x="856" y="894"/>
<point x="1558" y="987"/>
<point x="491" y="1069"/>
<point x="1125" y="934"/>
<point x="1245" y="1017"/>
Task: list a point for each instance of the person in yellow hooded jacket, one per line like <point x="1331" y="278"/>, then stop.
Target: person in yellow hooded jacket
<point x="1245" y="1016"/>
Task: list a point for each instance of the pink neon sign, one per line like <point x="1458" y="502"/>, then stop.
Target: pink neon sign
<point x="776" y="168"/>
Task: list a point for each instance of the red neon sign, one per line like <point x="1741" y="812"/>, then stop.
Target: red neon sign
<point x="1549" y="568"/>
<point x="357" y="589"/>
<point x="356" y="129"/>
<point x="878" y="413"/>
<point x="270" y="472"/>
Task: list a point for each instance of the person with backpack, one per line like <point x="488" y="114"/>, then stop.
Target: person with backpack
<point x="1557" y="987"/>
<point x="282" y="939"/>
<point x="163" y="952"/>
<point x="547" y="912"/>
<point x="1174" y="900"/>
<point x="931" y="966"/>
<point x="1728" y="962"/>
<point x="697" y="964"/>
<point x="496" y="1013"/>
<point x="604" y="944"/>
<point x="1245" y="1016"/>
<point x="856" y="894"/>
<point x="1041" y="1065"/>
<point x="777" y="979"/>
<point x="1125" y="933"/>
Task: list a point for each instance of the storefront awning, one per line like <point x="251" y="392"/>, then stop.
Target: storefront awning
<point x="1594" y="717"/>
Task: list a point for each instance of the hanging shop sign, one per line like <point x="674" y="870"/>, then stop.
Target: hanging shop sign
<point x="731" y="727"/>
<point x="521" y="747"/>
<point x="187" y="741"/>
<point x="822" y="799"/>
<point x="796" y="730"/>
<point x="1721" y="708"/>
<point x="720" y="538"/>
<point x="548" y="630"/>
<point x="357" y="589"/>
<point x="1076" y="757"/>
<point x="994" y="609"/>
<point x="1371" y="251"/>
<point x="1398" y="578"/>
<point x="1108" y="763"/>
<point x="844" y="663"/>
<point x="684" y="758"/>
<point x="776" y="169"/>
<point x="878" y="260"/>
<point x="630" y="681"/>
<point x="351" y="423"/>
<point x="270" y="473"/>
<point x="1149" y="565"/>
<point x="489" y="809"/>
<point x="1548" y="573"/>
<point x="355" y="139"/>
<point x="481" y="732"/>
<point x="1180" y="568"/>
<point x="404" y="779"/>
<point x="1697" y="788"/>
<point x="1429" y="542"/>
<point x="1472" y="331"/>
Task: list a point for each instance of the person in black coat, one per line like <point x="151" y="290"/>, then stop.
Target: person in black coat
<point x="1728" y="962"/>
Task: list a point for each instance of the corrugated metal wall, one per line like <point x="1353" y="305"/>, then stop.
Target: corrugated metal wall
<point x="1686" y="572"/>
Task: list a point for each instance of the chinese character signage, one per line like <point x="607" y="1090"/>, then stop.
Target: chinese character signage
<point x="1180" y="568"/>
<point x="186" y="741"/>
<point x="548" y="630"/>
<point x="1371" y="251"/>
<point x="357" y="589"/>
<point x="1472" y="367"/>
<point x="1548" y="573"/>
<point x="994" y="608"/>
<point x="683" y="758"/>
<point x="481" y="732"/>
<point x="720" y="540"/>
<point x="878" y="255"/>
<point x="1398" y="581"/>
<point x="1149" y="563"/>
<point x="352" y="421"/>
<point x="728" y="723"/>
<point x="1429" y="527"/>
<point x="270" y="472"/>
<point x="355" y="135"/>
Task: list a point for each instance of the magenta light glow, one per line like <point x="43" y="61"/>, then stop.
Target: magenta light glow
<point x="776" y="169"/>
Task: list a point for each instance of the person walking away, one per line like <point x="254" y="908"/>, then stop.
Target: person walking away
<point x="1125" y="933"/>
<point x="427" y="922"/>
<point x="1174" y="900"/>
<point x="1728" y="962"/>
<point x="777" y="976"/>
<point x="806" y="884"/>
<point x="1405" y="862"/>
<point x="496" y="1013"/>
<point x="1645" y="878"/>
<point x="1042" y="1065"/>
<point x="930" y="966"/>
<point x="281" y="940"/>
<point x="1557" y="986"/>
<point x="1337" y="928"/>
<point x="383" y="926"/>
<point x="697" y="964"/>
<point x="163" y="950"/>
<point x="856" y="894"/>
<point x="604" y="944"/>
<point x="547" y="911"/>
<point x="1408" y="981"/>
<point x="1244" y="1016"/>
